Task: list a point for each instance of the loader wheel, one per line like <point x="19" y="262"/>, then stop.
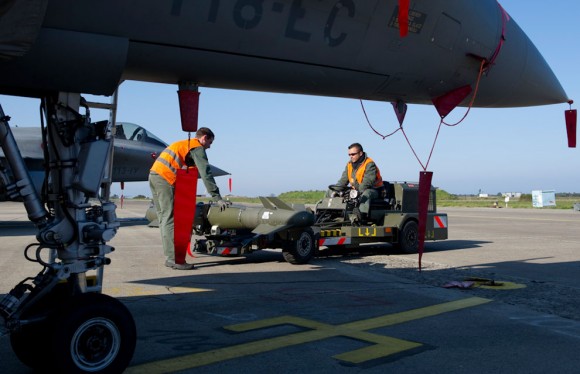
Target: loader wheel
<point x="199" y="246"/>
<point x="211" y="247"/>
<point x="301" y="250"/>
<point x="92" y="333"/>
<point x="409" y="238"/>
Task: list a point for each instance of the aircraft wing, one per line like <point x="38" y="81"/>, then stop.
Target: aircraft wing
<point x="29" y="142"/>
<point x="132" y="159"/>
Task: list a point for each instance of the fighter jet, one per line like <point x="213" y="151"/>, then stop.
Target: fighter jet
<point x="135" y="150"/>
<point x="435" y="52"/>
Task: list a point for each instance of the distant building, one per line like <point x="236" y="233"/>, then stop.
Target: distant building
<point x="542" y="198"/>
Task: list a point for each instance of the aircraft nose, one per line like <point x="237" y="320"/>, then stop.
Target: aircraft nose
<point x="520" y="75"/>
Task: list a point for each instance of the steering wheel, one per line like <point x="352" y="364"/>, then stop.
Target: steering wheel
<point x="338" y="188"/>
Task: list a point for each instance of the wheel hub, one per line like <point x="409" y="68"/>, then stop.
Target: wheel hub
<point x="95" y="344"/>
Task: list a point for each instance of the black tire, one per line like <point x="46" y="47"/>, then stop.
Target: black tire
<point x="409" y="238"/>
<point x="301" y="250"/>
<point x="29" y="342"/>
<point x="93" y="333"/>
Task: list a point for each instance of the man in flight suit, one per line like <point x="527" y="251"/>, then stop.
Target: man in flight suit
<point x="180" y="155"/>
<point x="362" y="174"/>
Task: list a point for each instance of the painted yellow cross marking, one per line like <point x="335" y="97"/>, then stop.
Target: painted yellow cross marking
<point x="133" y="290"/>
<point x="381" y="346"/>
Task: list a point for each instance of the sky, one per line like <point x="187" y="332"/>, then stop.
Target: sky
<point x="275" y="143"/>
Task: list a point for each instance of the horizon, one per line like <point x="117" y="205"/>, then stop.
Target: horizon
<point x="272" y="143"/>
<point x="117" y="195"/>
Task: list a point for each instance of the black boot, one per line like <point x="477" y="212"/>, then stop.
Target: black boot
<point x="355" y="217"/>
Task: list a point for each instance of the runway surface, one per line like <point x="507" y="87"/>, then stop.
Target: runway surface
<point x="371" y="311"/>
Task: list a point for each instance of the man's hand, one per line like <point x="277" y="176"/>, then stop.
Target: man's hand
<point x="223" y="204"/>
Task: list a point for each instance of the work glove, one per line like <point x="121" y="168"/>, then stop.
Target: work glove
<point x="223" y="204"/>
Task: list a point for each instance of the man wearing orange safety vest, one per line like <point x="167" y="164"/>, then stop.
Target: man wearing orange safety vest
<point x="180" y="155"/>
<point x="362" y="174"/>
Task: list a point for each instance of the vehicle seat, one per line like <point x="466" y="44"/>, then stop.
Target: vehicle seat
<point x="385" y="195"/>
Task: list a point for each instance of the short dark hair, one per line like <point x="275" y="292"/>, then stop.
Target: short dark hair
<point x="204" y="131"/>
<point x="357" y="145"/>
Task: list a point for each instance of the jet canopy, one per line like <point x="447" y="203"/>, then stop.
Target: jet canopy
<point x="131" y="131"/>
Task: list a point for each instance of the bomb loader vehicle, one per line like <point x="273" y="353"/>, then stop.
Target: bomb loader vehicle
<point x="393" y="218"/>
<point x="335" y="223"/>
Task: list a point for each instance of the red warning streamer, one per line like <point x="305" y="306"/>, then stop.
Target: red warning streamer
<point x="571" y="120"/>
<point x="444" y="104"/>
<point x="403" y="18"/>
<point x="425" y="178"/>
<point x="184" y="211"/>
<point x="188" y="108"/>
<point x="122" y="195"/>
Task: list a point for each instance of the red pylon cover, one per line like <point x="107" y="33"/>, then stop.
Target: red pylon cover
<point x="184" y="211"/>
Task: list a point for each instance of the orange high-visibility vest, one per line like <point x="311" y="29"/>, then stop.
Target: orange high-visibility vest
<point x="173" y="158"/>
<point x="360" y="173"/>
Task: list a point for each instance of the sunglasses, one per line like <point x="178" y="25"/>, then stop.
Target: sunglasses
<point x="353" y="154"/>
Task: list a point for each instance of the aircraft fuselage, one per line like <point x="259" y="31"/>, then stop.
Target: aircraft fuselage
<point x="319" y="47"/>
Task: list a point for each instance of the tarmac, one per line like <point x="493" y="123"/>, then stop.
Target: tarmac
<point x="371" y="312"/>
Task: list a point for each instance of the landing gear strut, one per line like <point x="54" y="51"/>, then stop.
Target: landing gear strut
<point x="59" y="320"/>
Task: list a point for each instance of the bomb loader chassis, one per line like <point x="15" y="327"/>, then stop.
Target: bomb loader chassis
<point x="394" y="220"/>
<point x="240" y="230"/>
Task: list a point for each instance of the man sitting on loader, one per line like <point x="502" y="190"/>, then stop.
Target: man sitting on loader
<point x="362" y="174"/>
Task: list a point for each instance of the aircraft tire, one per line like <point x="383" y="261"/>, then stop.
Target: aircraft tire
<point x="93" y="333"/>
<point x="301" y="250"/>
<point x="29" y="341"/>
<point x="409" y="239"/>
<point x="29" y="345"/>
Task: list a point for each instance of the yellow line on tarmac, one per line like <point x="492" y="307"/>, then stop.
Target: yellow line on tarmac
<point x="376" y="351"/>
<point x="394" y="319"/>
<point x="228" y="353"/>
<point x="135" y="291"/>
<point x="500" y="286"/>
<point x="382" y="345"/>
